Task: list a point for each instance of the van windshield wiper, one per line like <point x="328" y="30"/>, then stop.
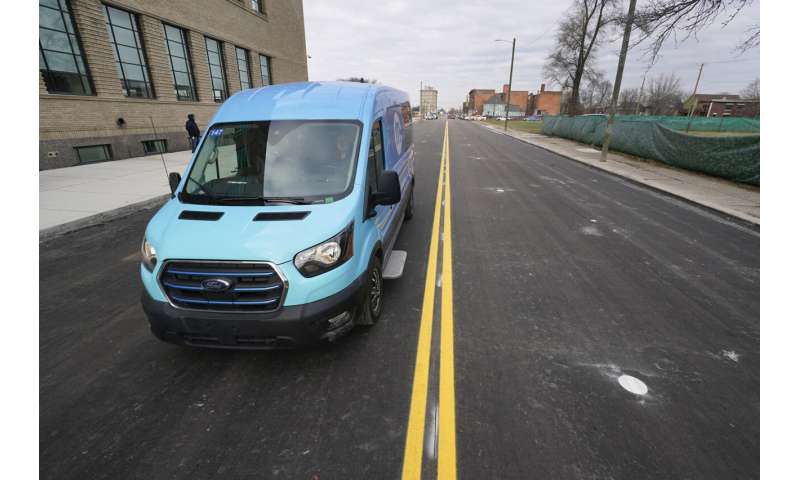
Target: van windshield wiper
<point x="291" y="200"/>
<point x="263" y="200"/>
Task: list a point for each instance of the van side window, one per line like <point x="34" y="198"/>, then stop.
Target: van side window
<point x="375" y="161"/>
<point x="407" y="135"/>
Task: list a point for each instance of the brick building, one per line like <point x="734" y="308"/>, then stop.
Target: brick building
<point x="477" y="98"/>
<point x="107" y="68"/>
<point x="518" y="98"/>
<point x="496" y="107"/>
<point x="544" y="102"/>
<point x="722" y="105"/>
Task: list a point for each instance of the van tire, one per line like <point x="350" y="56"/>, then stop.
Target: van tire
<point x="409" y="213"/>
<point x="373" y="294"/>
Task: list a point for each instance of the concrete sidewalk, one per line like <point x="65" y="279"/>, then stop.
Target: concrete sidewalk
<point x="75" y="197"/>
<point x="727" y="197"/>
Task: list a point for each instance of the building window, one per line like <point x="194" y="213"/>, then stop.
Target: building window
<point x="256" y="5"/>
<point x="216" y="65"/>
<point x="154" y="146"/>
<point x="244" y="67"/>
<point x="61" y="58"/>
<point x="94" y="153"/>
<point x="128" y="50"/>
<point x="266" y="70"/>
<point x="178" y="51"/>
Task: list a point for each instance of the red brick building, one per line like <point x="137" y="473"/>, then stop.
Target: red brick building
<point x="722" y="105"/>
<point x="477" y="97"/>
<point x="518" y="97"/>
<point x="544" y="102"/>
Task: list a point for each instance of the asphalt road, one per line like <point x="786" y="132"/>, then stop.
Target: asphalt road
<point x="564" y="278"/>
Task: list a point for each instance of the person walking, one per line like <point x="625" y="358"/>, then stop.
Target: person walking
<point x="193" y="130"/>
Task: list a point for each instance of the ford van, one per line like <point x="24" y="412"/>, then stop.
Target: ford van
<point x="281" y="230"/>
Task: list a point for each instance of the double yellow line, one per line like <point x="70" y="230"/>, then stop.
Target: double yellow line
<point x="446" y="434"/>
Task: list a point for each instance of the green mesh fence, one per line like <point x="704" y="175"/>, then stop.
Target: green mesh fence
<point x="699" y="124"/>
<point x="735" y="158"/>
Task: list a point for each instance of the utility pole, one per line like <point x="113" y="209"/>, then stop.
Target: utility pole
<point x="694" y="99"/>
<point x="510" y="76"/>
<point x="623" y="52"/>
<point x="641" y="94"/>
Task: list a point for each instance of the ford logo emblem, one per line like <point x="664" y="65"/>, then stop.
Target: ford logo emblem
<point x="216" y="284"/>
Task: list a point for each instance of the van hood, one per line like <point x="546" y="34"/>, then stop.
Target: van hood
<point x="237" y="236"/>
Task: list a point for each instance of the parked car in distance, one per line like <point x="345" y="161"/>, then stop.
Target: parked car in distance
<point x="282" y="228"/>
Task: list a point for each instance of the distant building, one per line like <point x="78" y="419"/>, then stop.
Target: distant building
<point x="106" y="70"/>
<point x="428" y="100"/>
<point x="722" y="105"/>
<point x="496" y="107"/>
<point x="477" y="98"/>
<point x="544" y="102"/>
<point x="519" y="98"/>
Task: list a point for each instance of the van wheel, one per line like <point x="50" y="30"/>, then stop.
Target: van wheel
<point x="410" y="205"/>
<point x="373" y="298"/>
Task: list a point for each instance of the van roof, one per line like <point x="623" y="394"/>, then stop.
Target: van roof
<point x="300" y="100"/>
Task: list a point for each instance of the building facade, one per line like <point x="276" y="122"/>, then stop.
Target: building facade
<point x="722" y="105"/>
<point x="475" y="100"/>
<point x="496" y="107"/>
<point x="118" y="77"/>
<point x="428" y="98"/>
<point x="519" y="98"/>
<point x="544" y="102"/>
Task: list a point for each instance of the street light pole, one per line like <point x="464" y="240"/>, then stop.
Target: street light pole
<point x="510" y="77"/>
<point x="694" y="99"/>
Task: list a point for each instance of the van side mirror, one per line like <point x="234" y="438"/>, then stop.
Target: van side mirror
<point x="174" y="181"/>
<point x="388" y="189"/>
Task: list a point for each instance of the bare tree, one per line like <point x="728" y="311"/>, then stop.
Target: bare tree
<point x="579" y="32"/>
<point x="628" y="98"/>
<point x="752" y="91"/>
<point x="664" y="94"/>
<point x="596" y="96"/>
<point x="660" y="20"/>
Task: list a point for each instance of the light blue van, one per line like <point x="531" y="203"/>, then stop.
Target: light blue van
<point x="281" y="230"/>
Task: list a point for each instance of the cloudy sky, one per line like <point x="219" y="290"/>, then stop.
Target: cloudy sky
<point x="450" y="44"/>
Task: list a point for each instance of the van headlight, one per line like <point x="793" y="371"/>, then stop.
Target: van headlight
<point x="148" y="255"/>
<point x="327" y="255"/>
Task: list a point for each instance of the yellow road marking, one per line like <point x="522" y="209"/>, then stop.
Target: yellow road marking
<point x="412" y="460"/>
<point x="447" y="393"/>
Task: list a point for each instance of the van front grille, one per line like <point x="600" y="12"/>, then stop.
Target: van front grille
<point x="228" y="286"/>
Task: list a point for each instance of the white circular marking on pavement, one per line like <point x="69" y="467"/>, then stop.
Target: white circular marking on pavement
<point x="632" y="384"/>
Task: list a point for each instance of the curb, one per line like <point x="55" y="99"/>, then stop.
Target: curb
<point x="99" y="218"/>
<point x="745" y="220"/>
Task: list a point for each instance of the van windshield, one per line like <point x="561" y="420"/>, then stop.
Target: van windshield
<point x="280" y="161"/>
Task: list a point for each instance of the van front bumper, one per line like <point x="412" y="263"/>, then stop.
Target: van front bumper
<point x="288" y="327"/>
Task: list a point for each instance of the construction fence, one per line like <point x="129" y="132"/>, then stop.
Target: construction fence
<point x="734" y="158"/>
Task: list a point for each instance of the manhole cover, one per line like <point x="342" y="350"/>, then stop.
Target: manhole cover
<point x="632" y="384"/>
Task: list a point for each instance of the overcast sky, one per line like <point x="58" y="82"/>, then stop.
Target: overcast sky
<point x="450" y="44"/>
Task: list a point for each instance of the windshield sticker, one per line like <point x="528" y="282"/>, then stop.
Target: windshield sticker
<point x="215" y="133"/>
